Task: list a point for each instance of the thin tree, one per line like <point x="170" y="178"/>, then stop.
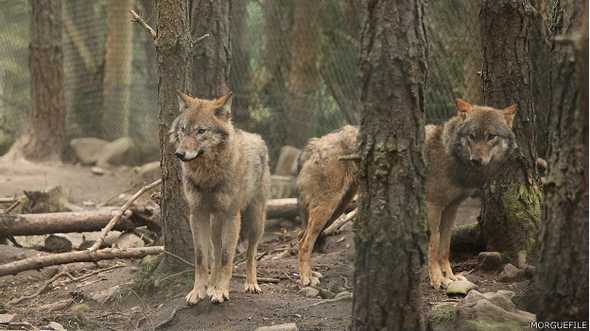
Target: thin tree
<point x="563" y="269"/>
<point x="390" y="232"/>
<point x="511" y="200"/>
<point x="117" y="76"/>
<point x="241" y="73"/>
<point x="44" y="138"/>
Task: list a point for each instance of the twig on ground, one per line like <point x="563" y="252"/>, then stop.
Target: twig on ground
<point x="39" y="291"/>
<point x="135" y="18"/>
<point x="338" y="223"/>
<point x="260" y="279"/>
<point x="336" y="299"/>
<point x="201" y="38"/>
<point x="181" y="259"/>
<point x="8" y="200"/>
<point x="12" y="206"/>
<point x="119" y="214"/>
<point x="143" y="310"/>
<point x="174" y="275"/>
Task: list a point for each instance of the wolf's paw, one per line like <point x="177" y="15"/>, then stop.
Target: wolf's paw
<point x="196" y="295"/>
<point x="446" y="281"/>
<point x="252" y="288"/>
<point x="311" y="280"/>
<point x="219" y="295"/>
<point x="436" y="279"/>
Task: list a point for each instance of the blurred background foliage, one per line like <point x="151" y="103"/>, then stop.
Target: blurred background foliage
<point x="294" y="67"/>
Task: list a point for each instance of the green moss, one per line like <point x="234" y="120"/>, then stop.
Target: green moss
<point x="144" y="279"/>
<point x="483" y="325"/>
<point x="523" y="211"/>
<point x="443" y="313"/>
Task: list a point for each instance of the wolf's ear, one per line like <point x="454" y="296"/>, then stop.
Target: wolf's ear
<point x="184" y="100"/>
<point x="223" y="109"/>
<point x="509" y="113"/>
<point x="463" y="107"/>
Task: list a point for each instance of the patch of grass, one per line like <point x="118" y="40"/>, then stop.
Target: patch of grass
<point x="144" y="280"/>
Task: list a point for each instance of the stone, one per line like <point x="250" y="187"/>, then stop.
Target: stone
<point x="97" y="171"/>
<point x="106" y="295"/>
<point x="287" y="162"/>
<point x="282" y="187"/>
<point x="128" y="240"/>
<point x="149" y="172"/>
<point x="490" y="261"/>
<point x="87" y="150"/>
<point x="122" y="151"/>
<point x="309" y="292"/>
<point x="279" y="327"/>
<point x="510" y="273"/>
<point x="460" y="287"/>
<point x="442" y="316"/>
<point x="55" y="326"/>
<point x="57" y="243"/>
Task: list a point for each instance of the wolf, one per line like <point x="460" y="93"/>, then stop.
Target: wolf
<point x="226" y="182"/>
<point x="325" y="185"/>
<point x="461" y="154"/>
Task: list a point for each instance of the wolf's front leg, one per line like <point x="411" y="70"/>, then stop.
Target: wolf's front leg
<point x="434" y="271"/>
<point x="446" y="231"/>
<point x="201" y="231"/>
<point x="229" y="239"/>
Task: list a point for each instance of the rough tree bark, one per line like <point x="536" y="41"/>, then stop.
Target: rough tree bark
<point x="563" y="269"/>
<point x="240" y="75"/>
<point x="212" y="55"/>
<point x="390" y="230"/>
<point x="511" y="200"/>
<point x="44" y="138"/>
<point x="304" y="77"/>
<point x="117" y="76"/>
<point x="173" y="44"/>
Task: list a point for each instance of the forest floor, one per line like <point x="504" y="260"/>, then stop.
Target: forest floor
<point x="113" y="300"/>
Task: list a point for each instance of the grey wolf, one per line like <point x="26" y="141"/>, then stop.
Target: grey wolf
<point x="226" y="182"/>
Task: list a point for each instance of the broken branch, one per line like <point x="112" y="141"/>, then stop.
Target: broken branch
<point x="39" y="262"/>
<point x="118" y="216"/>
<point x="135" y="18"/>
<point x="338" y="223"/>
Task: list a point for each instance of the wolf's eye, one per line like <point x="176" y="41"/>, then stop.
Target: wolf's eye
<point x="471" y="136"/>
<point x="491" y="137"/>
<point x="201" y="131"/>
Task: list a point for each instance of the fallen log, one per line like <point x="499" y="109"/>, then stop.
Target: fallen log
<point x="39" y="262"/>
<point x="64" y="222"/>
<point x="281" y="208"/>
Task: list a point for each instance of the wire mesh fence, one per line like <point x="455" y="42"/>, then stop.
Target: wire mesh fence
<point x="279" y="59"/>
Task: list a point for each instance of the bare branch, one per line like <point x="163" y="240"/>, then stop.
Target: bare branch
<point x="135" y="18"/>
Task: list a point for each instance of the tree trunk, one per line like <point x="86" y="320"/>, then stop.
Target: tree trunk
<point x="240" y="75"/>
<point x="303" y="83"/>
<point x="212" y="56"/>
<point x="390" y="230"/>
<point x="117" y="77"/>
<point x="173" y="53"/>
<point x="563" y="269"/>
<point x="511" y="200"/>
<point x="277" y="26"/>
<point x="44" y="139"/>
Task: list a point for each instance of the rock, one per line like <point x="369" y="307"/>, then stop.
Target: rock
<point x="118" y="152"/>
<point x="326" y="294"/>
<point x="52" y="200"/>
<point x="309" y="292"/>
<point x="287" y="162"/>
<point x="105" y="295"/>
<point x="460" y="287"/>
<point x="55" y="326"/>
<point x="149" y="172"/>
<point x="7" y="318"/>
<point x="490" y="261"/>
<point x="97" y="171"/>
<point x="57" y="243"/>
<point x="510" y="273"/>
<point x="128" y="240"/>
<point x="342" y="295"/>
<point x="279" y="327"/>
<point x="282" y="187"/>
<point x="87" y="150"/>
<point x="442" y="316"/>
<point x="493" y="307"/>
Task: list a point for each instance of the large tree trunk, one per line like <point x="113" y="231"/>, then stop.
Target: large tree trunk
<point x="117" y="77"/>
<point x="390" y="231"/>
<point x="511" y="200"/>
<point x="563" y="268"/>
<point x="44" y="139"/>
<point x="240" y="75"/>
<point x="303" y="83"/>
<point x="173" y="51"/>
<point x="212" y="56"/>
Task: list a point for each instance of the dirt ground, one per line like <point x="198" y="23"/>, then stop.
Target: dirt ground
<point x="114" y="299"/>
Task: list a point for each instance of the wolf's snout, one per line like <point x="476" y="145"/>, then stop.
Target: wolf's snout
<point x="476" y="161"/>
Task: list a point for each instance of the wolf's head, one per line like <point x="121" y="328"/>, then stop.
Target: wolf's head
<point x="484" y="135"/>
<point x="202" y="128"/>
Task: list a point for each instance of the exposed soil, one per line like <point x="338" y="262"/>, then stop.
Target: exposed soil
<point x="75" y="305"/>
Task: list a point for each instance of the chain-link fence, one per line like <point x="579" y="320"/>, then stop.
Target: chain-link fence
<point x="285" y="59"/>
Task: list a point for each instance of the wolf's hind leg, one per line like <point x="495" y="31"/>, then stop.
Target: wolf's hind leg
<point x="318" y="218"/>
<point x="434" y="220"/>
<point x="200" y="229"/>
<point x="446" y="231"/>
<point x="255" y="218"/>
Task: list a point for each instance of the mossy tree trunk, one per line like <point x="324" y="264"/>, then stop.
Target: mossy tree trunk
<point x="390" y="231"/>
<point x="512" y="199"/>
<point x="45" y="135"/>
<point x="173" y="44"/>
<point x="563" y="269"/>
